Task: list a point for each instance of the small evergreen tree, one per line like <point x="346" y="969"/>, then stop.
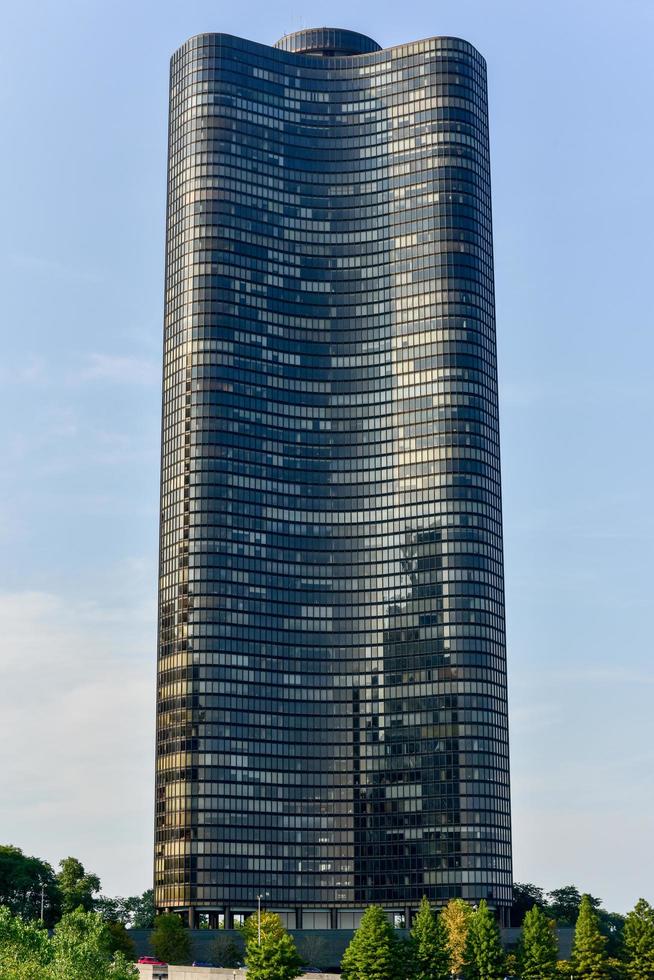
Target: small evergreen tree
<point x="589" y="958"/>
<point x="484" y="958"/>
<point x="276" y="956"/>
<point x="456" y="917"/>
<point x="538" y="948"/>
<point x="169" y="940"/>
<point x="373" y="951"/>
<point x="431" y="958"/>
<point x="639" y="942"/>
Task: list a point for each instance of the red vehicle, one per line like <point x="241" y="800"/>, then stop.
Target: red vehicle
<point x="151" y="960"/>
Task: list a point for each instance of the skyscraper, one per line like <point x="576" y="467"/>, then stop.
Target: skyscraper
<point x="332" y="718"/>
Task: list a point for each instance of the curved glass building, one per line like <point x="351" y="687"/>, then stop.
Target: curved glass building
<point x="332" y="713"/>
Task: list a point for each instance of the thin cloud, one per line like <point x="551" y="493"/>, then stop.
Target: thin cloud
<point x="47" y="267"/>
<point x="120" y="370"/>
<point x="76" y="731"/>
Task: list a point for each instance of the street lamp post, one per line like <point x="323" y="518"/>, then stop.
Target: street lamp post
<point x="259" y="897"/>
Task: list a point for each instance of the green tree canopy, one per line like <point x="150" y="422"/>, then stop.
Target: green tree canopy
<point x="589" y="957"/>
<point x="538" y="948"/>
<point x="79" y="949"/>
<point x="373" y="951"/>
<point x="170" y="940"/>
<point x="137" y="911"/>
<point x="271" y="926"/>
<point x="24" y="948"/>
<point x="82" y="949"/>
<point x="431" y="957"/>
<point x="276" y="956"/>
<point x="141" y="910"/>
<point x="120" y="940"/>
<point x="484" y="952"/>
<point x="612" y="927"/>
<point x="456" y="917"/>
<point x="76" y="886"/>
<point x="21" y="880"/>
<point x="564" y="904"/>
<point x="525" y="897"/>
<point x="639" y="942"/>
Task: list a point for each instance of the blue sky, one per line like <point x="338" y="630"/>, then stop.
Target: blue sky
<point x="83" y="98"/>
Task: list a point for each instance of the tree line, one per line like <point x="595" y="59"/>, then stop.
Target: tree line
<point x="80" y="947"/>
<point x="458" y="941"/>
<point x="31" y="889"/>
<point x="464" y="941"/>
<point x="90" y="941"/>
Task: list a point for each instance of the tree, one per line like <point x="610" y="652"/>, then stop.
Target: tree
<point x="525" y="897"/>
<point x="373" y="951"/>
<point x="269" y="924"/>
<point x="639" y="942"/>
<point x="456" y="917"/>
<point x="431" y="957"/>
<point x="511" y="965"/>
<point x="81" y="950"/>
<point x="120" y="941"/>
<point x="76" y="886"/>
<point x="276" y="956"/>
<point x="112" y="909"/>
<point x="612" y="927"/>
<point x="226" y="952"/>
<point x="616" y="968"/>
<point x="484" y="953"/>
<point x="589" y="958"/>
<point x="21" y="881"/>
<point x="137" y="911"/>
<point x="538" y="948"/>
<point x="564" y="904"/>
<point x="141" y="910"/>
<point x="169" y="940"/>
<point x="24" y="948"/>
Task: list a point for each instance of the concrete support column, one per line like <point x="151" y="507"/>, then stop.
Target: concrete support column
<point x="333" y="915"/>
<point x="229" y="918"/>
<point x="192" y="919"/>
<point x="408" y="918"/>
<point x="298" y="918"/>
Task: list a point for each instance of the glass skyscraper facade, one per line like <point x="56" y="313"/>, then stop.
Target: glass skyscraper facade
<point x="332" y="712"/>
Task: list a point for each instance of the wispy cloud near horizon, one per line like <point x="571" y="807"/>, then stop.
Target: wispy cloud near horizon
<point x="77" y="730"/>
<point x="120" y="369"/>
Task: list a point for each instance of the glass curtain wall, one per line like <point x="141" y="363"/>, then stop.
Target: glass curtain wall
<point x="332" y="720"/>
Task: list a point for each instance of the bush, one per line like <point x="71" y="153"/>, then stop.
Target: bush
<point x="226" y="952"/>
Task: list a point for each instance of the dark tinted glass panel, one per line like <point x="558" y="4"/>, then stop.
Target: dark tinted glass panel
<point x="332" y="718"/>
